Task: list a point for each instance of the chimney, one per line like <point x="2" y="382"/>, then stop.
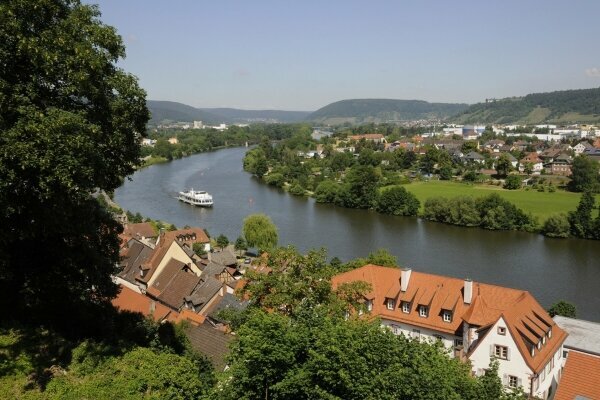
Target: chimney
<point x="404" y="278"/>
<point x="468" y="291"/>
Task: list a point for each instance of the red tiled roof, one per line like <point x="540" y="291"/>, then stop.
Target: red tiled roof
<point x="144" y="229"/>
<point x="489" y="302"/>
<point x="130" y="300"/>
<point x="368" y="136"/>
<point x="581" y="377"/>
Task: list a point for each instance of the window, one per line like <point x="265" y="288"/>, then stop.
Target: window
<point x="396" y="329"/>
<point x="405" y="307"/>
<point x="369" y="305"/>
<point x="565" y="353"/>
<point x="390" y="304"/>
<point x="438" y="337"/>
<point x="513" y="381"/>
<point x="447" y="316"/>
<point x="501" y="330"/>
<point x="458" y="342"/>
<point x="423" y="311"/>
<point x="501" y="352"/>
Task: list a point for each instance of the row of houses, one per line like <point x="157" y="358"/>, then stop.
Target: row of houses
<point x="162" y="277"/>
<point x="479" y="322"/>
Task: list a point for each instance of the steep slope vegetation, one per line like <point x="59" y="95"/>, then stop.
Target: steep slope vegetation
<point x="383" y="110"/>
<point x="561" y="107"/>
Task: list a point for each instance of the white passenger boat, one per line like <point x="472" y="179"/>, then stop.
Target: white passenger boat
<point x="196" y="198"/>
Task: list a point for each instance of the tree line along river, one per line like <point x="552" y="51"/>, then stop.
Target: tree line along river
<point x="551" y="269"/>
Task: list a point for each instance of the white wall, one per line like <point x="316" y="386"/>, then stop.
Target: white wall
<point x="425" y="334"/>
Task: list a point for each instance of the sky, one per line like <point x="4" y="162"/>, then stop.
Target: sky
<point x="303" y="55"/>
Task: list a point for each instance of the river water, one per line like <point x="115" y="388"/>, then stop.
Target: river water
<point x="551" y="269"/>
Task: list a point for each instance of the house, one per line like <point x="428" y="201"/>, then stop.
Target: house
<point x="133" y="255"/>
<point x="143" y="231"/>
<point x="473" y="157"/>
<point x="582" y="146"/>
<point x="560" y="166"/>
<point x="478" y="321"/>
<point x="210" y="341"/>
<point x="581" y="352"/>
<point x="581" y="378"/>
<point x="593" y="154"/>
<point x="369" y="137"/>
<point x="534" y="159"/>
<point x="130" y="300"/>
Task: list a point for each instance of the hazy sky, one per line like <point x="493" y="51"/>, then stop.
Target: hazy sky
<point x="302" y="55"/>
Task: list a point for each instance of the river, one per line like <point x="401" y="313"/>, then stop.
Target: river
<point x="551" y="269"/>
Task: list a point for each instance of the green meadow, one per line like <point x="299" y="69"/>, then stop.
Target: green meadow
<point x="540" y="204"/>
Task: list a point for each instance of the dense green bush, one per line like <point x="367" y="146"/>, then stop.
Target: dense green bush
<point x="397" y="201"/>
<point x="512" y="182"/>
<point x="556" y="226"/>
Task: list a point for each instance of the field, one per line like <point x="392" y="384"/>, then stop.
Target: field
<point x="540" y="204"/>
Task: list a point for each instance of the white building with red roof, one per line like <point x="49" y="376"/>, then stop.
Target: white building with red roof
<point x="476" y="320"/>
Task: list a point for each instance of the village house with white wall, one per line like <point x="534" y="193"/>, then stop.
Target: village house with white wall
<point x="479" y="322"/>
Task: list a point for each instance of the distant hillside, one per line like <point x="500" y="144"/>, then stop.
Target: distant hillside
<point x="238" y="115"/>
<point x="173" y="111"/>
<point x="567" y="106"/>
<point x="383" y="110"/>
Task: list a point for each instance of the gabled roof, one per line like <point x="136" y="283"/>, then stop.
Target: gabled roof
<point x="129" y="300"/>
<point x="367" y="136"/>
<point x="525" y="317"/>
<point x="580" y="378"/>
<point x="532" y="157"/>
<point x="174" y="283"/>
<point x="211" y="342"/>
<point x="224" y="257"/>
<point x="144" y="229"/>
<point x="133" y="255"/>
<point x="206" y="289"/>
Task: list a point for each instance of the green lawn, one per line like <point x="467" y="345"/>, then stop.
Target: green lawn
<point x="540" y="204"/>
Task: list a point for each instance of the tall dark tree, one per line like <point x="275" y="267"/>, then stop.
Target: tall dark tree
<point x="585" y="175"/>
<point x="70" y="123"/>
<point x="581" y="219"/>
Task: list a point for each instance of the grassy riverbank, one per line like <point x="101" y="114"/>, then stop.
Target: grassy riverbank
<point x="540" y="204"/>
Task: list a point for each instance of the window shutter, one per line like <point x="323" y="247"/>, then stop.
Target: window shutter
<point x="492" y="350"/>
<point x="508" y="353"/>
<point x="505" y="380"/>
<point x="519" y="382"/>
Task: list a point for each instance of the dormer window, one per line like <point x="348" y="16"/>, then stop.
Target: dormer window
<point x="423" y="311"/>
<point x="447" y="316"/>
<point x="390" y="304"/>
<point x="539" y="345"/>
<point x="550" y="333"/>
<point x="405" y="307"/>
<point x="369" y="305"/>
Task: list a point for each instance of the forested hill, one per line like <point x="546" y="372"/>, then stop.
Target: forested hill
<point x="172" y="111"/>
<point x="567" y="106"/>
<point x="383" y="110"/>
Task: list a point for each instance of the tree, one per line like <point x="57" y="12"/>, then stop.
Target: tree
<point x="240" y="244"/>
<point x="199" y="249"/>
<point x="512" y="182"/>
<point x="446" y="172"/>
<point x="503" y="165"/>
<point x="584" y="175"/>
<point x="361" y="186"/>
<point x="563" y="308"/>
<point x="397" y="201"/>
<point x="70" y="123"/>
<point x="581" y="219"/>
<point x="222" y="241"/>
<point x="259" y="231"/>
<point x="557" y="226"/>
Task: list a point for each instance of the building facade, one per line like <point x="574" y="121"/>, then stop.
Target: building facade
<point x="477" y="321"/>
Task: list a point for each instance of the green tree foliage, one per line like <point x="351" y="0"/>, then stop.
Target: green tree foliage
<point x="240" y="243"/>
<point x="563" y="308"/>
<point x="585" y="175"/>
<point x="361" y="187"/>
<point x="139" y="373"/>
<point x="327" y="192"/>
<point x="557" y="226"/>
<point x="222" y="241"/>
<point x="446" y="172"/>
<point x="503" y="165"/>
<point x="513" y="182"/>
<point x="581" y="220"/>
<point x="489" y="212"/>
<point x="199" y="249"/>
<point x="70" y="122"/>
<point x="397" y="201"/>
<point x="260" y="231"/>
